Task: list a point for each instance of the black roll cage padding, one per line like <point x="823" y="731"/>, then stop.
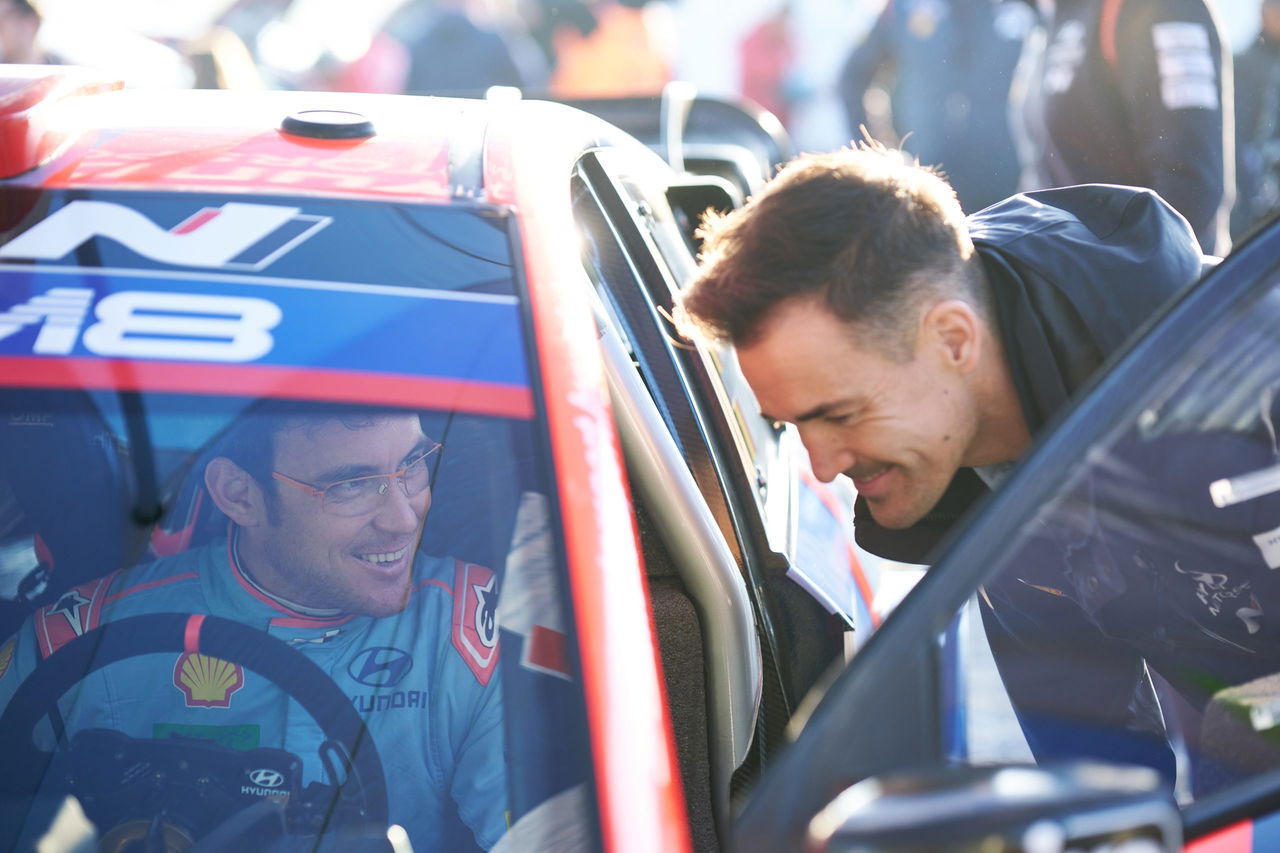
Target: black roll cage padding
<point x="120" y="639"/>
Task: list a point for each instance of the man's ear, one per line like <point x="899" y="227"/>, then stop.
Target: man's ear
<point x="955" y="330"/>
<point x="235" y="492"/>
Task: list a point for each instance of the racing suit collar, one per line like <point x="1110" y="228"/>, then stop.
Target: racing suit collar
<point x="237" y="586"/>
<point x="321" y="613"/>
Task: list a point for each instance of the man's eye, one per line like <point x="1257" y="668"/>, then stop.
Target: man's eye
<point x="351" y="489"/>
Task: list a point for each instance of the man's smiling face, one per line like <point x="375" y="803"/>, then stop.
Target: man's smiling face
<point x="359" y="564"/>
<point x="899" y="430"/>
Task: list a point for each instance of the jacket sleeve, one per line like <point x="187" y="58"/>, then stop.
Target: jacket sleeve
<point x="860" y="69"/>
<point x="1175" y="80"/>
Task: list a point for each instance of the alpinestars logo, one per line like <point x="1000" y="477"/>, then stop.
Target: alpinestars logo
<point x="70" y="607"/>
<point x="475" y="622"/>
<point x="235" y="236"/>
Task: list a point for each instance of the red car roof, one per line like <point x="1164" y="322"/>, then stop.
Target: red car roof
<point x="63" y="127"/>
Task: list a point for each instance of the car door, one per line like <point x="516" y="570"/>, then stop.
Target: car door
<point x="1120" y="586"/>
<point x="740" y="496"/>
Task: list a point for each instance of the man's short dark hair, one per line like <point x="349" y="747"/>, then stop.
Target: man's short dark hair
<point x="865" y="229"/>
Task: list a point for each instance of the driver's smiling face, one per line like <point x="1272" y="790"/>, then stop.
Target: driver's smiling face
<point x="359" y="564"/>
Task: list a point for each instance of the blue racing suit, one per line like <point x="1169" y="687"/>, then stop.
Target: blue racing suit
<point x="424" y="680"/>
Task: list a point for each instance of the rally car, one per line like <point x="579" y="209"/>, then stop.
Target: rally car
<point x="355" y="491"/>
<point x="622" y="582"/>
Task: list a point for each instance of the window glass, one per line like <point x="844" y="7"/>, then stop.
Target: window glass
<point x="278" y="558"/>
<point x="1137" y="617"/>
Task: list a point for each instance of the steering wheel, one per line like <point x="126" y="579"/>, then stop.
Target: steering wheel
<point x="295" y="674"/>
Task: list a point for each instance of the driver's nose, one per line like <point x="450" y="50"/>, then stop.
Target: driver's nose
<point x="401" y="513"/>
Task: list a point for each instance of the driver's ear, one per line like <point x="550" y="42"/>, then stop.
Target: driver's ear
<point x="235" y="492"/>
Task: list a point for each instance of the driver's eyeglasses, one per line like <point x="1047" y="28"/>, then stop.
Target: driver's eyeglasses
<point x="360" y="495"/>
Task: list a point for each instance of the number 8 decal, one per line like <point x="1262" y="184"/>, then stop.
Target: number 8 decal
<point x="137" y="324"/>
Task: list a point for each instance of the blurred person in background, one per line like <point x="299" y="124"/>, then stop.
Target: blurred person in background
<point x="221" y="60"/>
<point x="543" y="18"/>
<point x="947" y="66"/>
<point x="20" y="34"/>
<point x="456" y="49"/>
<point x="1257" y="79"/>
<point x="302" y="44"/>
<point x="1135" y="92"/>
<point x="767" y="55"/>
<point x="93" y="35"/>
<point x="630" y="51"/>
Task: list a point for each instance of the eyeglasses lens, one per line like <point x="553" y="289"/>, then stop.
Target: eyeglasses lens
<point x="365" y="494"/>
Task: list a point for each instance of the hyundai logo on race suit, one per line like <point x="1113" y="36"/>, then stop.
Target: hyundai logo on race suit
<point x="265" y="777"/>
<point x="235" y="236"/>
<point x="380" y="666"/>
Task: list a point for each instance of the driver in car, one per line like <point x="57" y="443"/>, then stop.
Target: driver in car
<point x="326" y="509"/>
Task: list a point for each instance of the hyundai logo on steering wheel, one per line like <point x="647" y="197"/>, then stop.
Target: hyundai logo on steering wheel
<point x="265" y="777"/>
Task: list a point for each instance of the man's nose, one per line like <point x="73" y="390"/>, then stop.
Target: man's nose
<point x="827" y="459"/>
<point x="401" y="513"/>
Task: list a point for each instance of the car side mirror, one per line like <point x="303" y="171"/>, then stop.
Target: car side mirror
<point x="1079" y="807"/>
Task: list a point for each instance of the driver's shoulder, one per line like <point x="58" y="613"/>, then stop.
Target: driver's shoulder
<point x="168" y="579"/>
<point x="448" y="576"/>
<point x="458" y="598"/>
<point x="169" y="583"/>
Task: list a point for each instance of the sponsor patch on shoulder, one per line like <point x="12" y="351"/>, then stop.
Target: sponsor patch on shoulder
<point x="475" y="618"/>
<point x="76" y="611"/>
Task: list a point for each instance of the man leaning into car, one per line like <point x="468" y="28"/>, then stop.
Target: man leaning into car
<point x="919" y="352"/>
<point x="326" y="507"/>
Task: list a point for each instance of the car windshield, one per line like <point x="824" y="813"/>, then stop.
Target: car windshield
<point x="278" y="551"/>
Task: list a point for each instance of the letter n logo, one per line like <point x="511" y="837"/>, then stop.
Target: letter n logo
<point x="235" y="236"/>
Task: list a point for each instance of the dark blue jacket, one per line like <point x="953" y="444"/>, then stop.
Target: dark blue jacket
<point x="1073" y="273"/>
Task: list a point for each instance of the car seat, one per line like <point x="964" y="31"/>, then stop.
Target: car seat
<point x="65" y="499"/>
